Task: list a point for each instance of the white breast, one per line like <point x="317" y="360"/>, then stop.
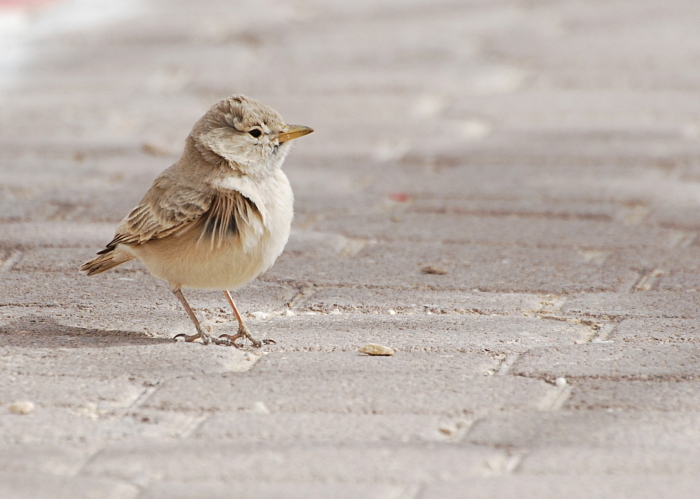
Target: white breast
<point x="276" y="195"/>
<point x="191" y="264"/>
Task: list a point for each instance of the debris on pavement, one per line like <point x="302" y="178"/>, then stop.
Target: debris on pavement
<point x="22" y="407"/>
<point x="374" y="349"/>
<point x="433" y="269"/>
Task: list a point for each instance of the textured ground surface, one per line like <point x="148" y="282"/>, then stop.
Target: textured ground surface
<point x="542" y="154"/>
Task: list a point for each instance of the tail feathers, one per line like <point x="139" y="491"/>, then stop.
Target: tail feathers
<point x="106" y="261"/>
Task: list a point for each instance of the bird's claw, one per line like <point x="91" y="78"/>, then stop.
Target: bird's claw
<point x="189" y="338"/>
<point x="243" y="333"/>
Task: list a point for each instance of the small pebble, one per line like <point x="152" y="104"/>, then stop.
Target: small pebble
<point x="260" y="408"/>
<point x="259" y="315"/>
<point x="433" y="269"/>
<point x="289" y="313"/>
<point x="374" y="349"/>
<point x="560" y="382"/>
<point x="22" y="407"/>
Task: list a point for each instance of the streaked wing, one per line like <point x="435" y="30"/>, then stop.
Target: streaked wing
<point x="169" y="209"/>
<point x="231" y="214"/>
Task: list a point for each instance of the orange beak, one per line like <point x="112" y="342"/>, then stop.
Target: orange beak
<point x="292" y="132"/>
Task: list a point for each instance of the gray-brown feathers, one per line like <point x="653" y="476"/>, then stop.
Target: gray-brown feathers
<point x="107" y="260"/>
<point x="218" y="195"/>
<point x="168" y="211"/>
<point x="231" y="215"/>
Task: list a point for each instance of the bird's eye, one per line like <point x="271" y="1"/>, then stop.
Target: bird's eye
<point x="255" y="132"/>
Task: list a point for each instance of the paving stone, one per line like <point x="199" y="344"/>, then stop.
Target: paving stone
<point x="677" y="217"/>
<point x="363" y="299"/>
<point x="56" y="234"/>
<point x="453" y="385"/>
<point x="614" y="361"/>
<point x="155" y="361"/>
<point x="656" y="304"/>
<point x="681" y="271"/>
<point x="71" y="391"/>
<point x="420" y="332"/>
<point x="299" y="463"/>
<point x="52" y="459"/>
<point x="597" y="394"/>
<point x="657" y="331"/>
<point x="261" y="427"/>
<point x="522" y="207"/>
<point x="32" y="485"/>
<point x="465" y="229"/>
<point x="567" y="461"/>
<point x="91" y="425"/>
<point x="127" y="298"/>
<point x="496" y="269"/>
<point x="551" y="487"/>
<point x="642" y="431"/>
<point x="247" y="490"/>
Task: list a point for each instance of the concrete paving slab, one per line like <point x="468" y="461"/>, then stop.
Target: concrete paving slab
<point x="466" y="266"/>
<point x="62" y="459"/>
<point x="643" y="431"/>
<point x="90" y="425"/>
<point x="418" y="331"/>
<point x="611" y="360"/>
<point x="299" y="463"/>
<point x="522" y="232"/>
<point x="290" y="490"/>
<point x="287" y="428"/>
<point x="551" y="487"/>
<point x="411" y="383"/>
<point x="31" y="485"/>
<point x="565" y="462"/>
<point x="159" y="360"/>
<point x="72" y="392"/>
<point x="657" y="331"/>
<point x="653" y="304"/>
<point x="366" y="299"/>
<point x="597" y="394"/>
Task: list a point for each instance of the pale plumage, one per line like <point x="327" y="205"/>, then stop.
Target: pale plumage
<point x="221" y="215"/>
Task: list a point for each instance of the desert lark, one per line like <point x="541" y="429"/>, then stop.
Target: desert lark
<point x="218" y="217"/>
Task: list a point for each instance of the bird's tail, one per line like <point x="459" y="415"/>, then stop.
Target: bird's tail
<point x="105" y="261"/>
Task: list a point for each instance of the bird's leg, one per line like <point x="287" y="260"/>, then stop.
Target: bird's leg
<point x="206" y="339"/>
<point x="242" y="329"/>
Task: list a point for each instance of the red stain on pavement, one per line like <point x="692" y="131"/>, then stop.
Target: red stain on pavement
<point x="400" y="197"/>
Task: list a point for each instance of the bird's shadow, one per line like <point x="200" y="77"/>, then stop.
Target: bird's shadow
<point x="45" y="332"/>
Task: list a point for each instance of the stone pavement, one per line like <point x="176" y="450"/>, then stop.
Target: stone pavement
<point x="541" y="155"/>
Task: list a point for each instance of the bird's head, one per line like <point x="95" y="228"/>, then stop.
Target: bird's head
<point x="250" y="136"/>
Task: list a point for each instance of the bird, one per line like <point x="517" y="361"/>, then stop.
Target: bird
<point x="219" y="216"/>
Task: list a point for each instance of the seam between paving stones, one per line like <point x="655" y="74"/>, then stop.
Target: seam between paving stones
<point x="412" y="492"/>
<point x="305" y="292"/>
<point x="120" y="414"/>
<point x="12" y="260"/>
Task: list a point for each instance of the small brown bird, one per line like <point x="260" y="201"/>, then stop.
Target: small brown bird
<point x="218" y="217"/>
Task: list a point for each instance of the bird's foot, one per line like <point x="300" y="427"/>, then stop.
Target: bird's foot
<point x="189" y="338"/>
<point x="244" y="333"/>
<point x="206" y="339"/>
